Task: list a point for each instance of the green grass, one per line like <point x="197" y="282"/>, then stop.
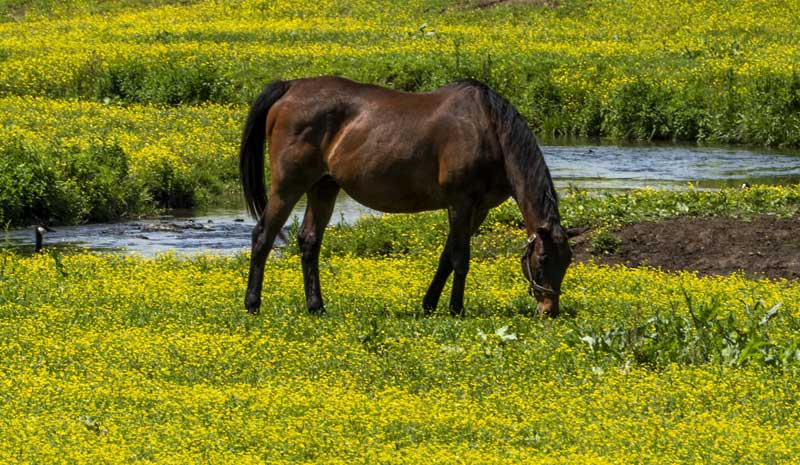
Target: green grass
<point x="126" y="360"/>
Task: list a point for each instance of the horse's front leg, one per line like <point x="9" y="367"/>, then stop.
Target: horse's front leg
<point x="460" y="234"/>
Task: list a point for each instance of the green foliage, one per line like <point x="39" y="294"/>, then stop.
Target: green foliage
<point x="706" y="335"/>
<point x="583" y="208"/>
<point x="102" y="181"/>
<point x="637" y="111"/>
<point x="194" y="80"/>
<point x="66" y="185"/>
<point x="26" y="185"/>
<point x="114" y="161"/>
<point x="604" y="242"/>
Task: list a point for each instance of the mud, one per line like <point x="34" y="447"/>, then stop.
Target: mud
<point x="764" y="246"/>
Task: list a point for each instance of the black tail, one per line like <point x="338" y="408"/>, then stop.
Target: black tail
<point x="251" y="154"/>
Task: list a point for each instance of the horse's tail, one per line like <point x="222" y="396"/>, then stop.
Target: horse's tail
<point x="251" y="153"/>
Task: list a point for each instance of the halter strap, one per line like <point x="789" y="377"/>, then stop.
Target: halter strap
<point x="533" y="285"/>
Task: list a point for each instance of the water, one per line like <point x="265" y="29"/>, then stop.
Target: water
<point x="584" y="166"/>
<point x="669" y="167"/>
<point x="224" y="231"/>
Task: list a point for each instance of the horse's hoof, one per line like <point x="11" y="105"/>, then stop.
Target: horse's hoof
<point x="427" y="309"/>
<point x="252" y="305"/>
<point x="317" y="311"/>
<point x="456" y="312"/>
<point x="429" y="305"/>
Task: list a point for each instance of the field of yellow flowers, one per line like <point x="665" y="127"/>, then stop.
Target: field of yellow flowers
<point x="164" y="84"/>
<point x="109" y="359"/>
<point x="116" y="359"/>
<point x="701" y="70"/>
<point x="112" y="108"/>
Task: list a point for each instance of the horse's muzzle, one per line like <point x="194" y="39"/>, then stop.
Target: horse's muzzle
<point x="548" y="306"/>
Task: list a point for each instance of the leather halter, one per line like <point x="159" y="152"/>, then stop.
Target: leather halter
<point x="526" y="256"/>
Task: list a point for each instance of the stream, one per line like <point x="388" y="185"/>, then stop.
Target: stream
<point x="606" y="167"/>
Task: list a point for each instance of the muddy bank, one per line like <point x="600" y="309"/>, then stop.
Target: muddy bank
<point x="761" y="247"/>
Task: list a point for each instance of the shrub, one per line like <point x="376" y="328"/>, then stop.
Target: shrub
<point x="66" y="185"/>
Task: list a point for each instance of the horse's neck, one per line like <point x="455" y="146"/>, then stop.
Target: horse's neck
<point x="535" y="196"/>
<point x="533" y="216"/>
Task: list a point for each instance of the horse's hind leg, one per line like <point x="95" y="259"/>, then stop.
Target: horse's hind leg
<point x="272" y="220"/>
<point x="321" y="200"/>
<point x="464" y="223"/>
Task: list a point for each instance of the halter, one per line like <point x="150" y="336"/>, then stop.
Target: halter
<point x="534" y="286"/>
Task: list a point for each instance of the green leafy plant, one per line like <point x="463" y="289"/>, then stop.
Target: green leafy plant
<point x="704" y="336"/>
<point x="604" y="242"/>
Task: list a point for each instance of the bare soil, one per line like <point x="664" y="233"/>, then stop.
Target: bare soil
<point x="765" y="246"/>
<point x="490" y="3"/>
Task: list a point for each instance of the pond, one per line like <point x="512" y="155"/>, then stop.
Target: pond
<point x="582" y="166"/>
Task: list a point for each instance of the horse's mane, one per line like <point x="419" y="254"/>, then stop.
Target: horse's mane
<point x="520" y="150"/>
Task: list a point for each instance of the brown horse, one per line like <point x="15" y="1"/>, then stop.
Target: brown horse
<point x="462" y="147"/>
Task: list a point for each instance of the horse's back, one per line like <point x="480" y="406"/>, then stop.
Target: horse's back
<point x="392" y="151"/>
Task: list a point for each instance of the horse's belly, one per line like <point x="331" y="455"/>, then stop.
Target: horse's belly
<point x="393" y="197"/>
<point x="390" y="165"/>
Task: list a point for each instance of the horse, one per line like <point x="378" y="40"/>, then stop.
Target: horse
<point x="461" y="147"/>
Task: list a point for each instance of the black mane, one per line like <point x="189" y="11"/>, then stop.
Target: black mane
<point x="520" y="150"/>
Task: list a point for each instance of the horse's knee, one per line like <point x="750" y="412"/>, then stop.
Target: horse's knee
<point x="460" y="265"/>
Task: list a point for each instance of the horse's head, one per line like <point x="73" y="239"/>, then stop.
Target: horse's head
<point x="544" y="262"/>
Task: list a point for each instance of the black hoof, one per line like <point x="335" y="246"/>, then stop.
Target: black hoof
<point x="457" y="312"/>
<point x="317" y="311"/>
<point x="428" y="307"/>
<point x="252" y="305"/>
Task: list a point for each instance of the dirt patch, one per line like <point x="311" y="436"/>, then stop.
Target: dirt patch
<point x="490" y="3"/>
<point x="765" y="246"/>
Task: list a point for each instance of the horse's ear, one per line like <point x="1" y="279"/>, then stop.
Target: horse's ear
<point x="573" y="232"/>
<point x="556" y="233"/>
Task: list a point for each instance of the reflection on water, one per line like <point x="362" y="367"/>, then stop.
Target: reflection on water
<point x="582" y="166"/>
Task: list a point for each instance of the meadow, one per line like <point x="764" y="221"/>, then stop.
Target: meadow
<point x="707" y="71"/>
<point x="123" y="360"/>
<point x="115" y="108"/>
<point x="167" y="83"/>
<point x="119" y="359"/>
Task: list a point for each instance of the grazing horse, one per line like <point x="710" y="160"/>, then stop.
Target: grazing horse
<point x="462" y="147"/>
